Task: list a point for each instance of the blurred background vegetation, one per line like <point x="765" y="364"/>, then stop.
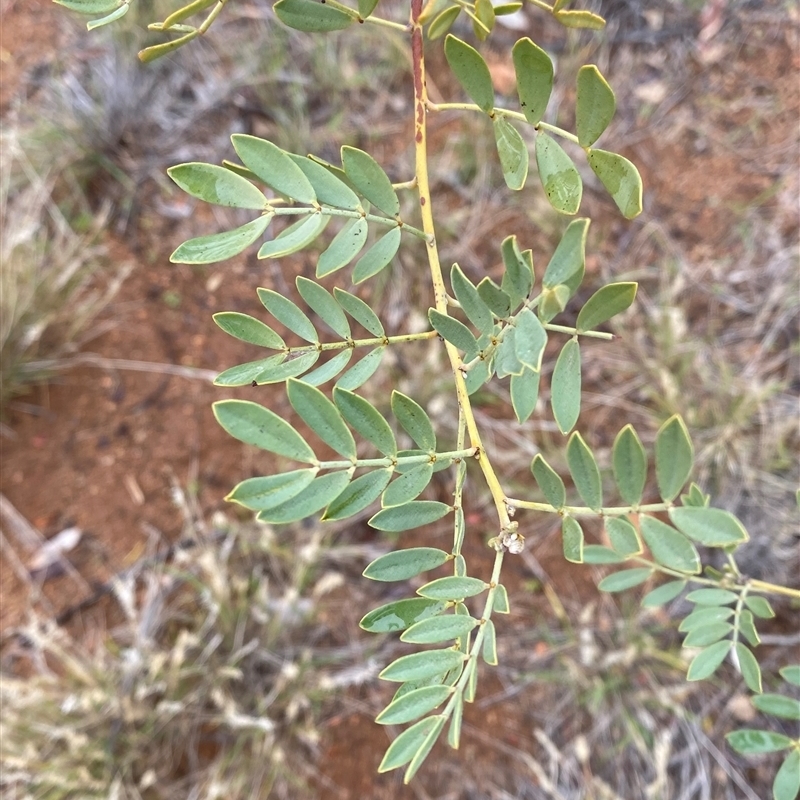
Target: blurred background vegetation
<point x="179" y="650"/>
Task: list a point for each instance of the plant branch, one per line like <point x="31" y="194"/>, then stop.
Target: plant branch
<point x="439" y="290"/>
<point x="287" y="211"/>
<point x="375" y="341"/>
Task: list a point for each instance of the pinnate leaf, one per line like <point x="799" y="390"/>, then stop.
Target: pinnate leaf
<point x="364" y="418"/>
<point x="359" y="311"/>
<point x="357" y="495"/>
<point x="270" y="491"/>
<point x="321" y="491"/>
<point x="572" y="540"/>
<point x="320" y="300"/>
<point x="585" y="472"/>
<point x="712" y="527"/>
<point x="754" y="742"/>
<point x="298" y="235"/>
<point x="549" y="481"/>
<point x="444" y="628"/>
<point x="452" y="588"/>
<point x="401" y="614"/>
<point x="707" y="661"/>
<point x="625" y="579"/>
<point x="418" y="666"/>
<point x="378" y="257"/>
<point x="415" y="421"/>
<point x="344" y="247"/>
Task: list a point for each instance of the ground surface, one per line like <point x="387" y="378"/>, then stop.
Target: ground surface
<point x="102" y="446"/>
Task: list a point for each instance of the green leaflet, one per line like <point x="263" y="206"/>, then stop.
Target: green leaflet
<point x="778" y="705"/>
<point x="705" y="635"/>
<point x="477" y="376"/>
<point x="401" y="565"/>
<point x="453" y="587"/>
<point x="364" y="418"/>
<point x="513" y="153"/>
<point x="410" y="515"/>
<point x="443" y="22"/>
<point x="346" y="245"/>
<point x="362" y="371"/>
<point x="625" y="579"/>
<point x="484" y="11"/>
<point x="366" y="7"/>
<point x="248" y="329"/>
<point x="572" y="540"/>
<point x="621" y="180"/>
<point x="220" y="246"/>
<point x="518" y="277"/>
<point x="242" y="374"/>
<point x="253" y="424"/>
<point x="707" y="661"/>
<point x="329" y="189"/>
<point x="566" y="265"/>
<point x="453" y="331"/>
<point x="330" y="369"/>
<point x="674" y="457"/>
<point x="378" y="257"/>
<point x="585" y="472"/>
<point x="478" y="313"/>
<point x="549" y="482"/>
<point x="565" y="386"/>
<point x="712" y="527"/>
<point x="623" y="537"/>
<point x="288" y="314"/>
<point x="408" y="743"/>
<point x="524" y="393"/>
<point x="534" y="71"/>
<point x="580" y="19"/>
<point x="753" y="742"/>
<point x="506" y="361"/>
<point x="321" y="301"/>
<point x="322" y="416"/>
<point x="357" y="495"/>
<point x="217" y="185"/>
<point x="629" y="462"/>
<point x="559" y="177"/>
<point x="606" y="303"/>
<point x="761" y="608"/>
<point x="321" y="491"/>
<point x="669" y="547"/>
<point x="407" y="486"/>
<point x="311" y="16"/>
<point x="501" y="605"/>
<point x="418" y="666"/>
<point x="530" y="340"/>
<point x="359" y="311"/>
<point x="274" y="167"/>
<point x="748" y="666"/>
<point x="595" y="105"/>
<point x="298" y="235"/>
<point x="471" y="71"/>
<point x="415" y="421"/>
<point x="786" y="785"/>
<point x="270" y="491"/>
<point x="413" y="705"/>
<point x="277" y="372"/>
<point x="370" y="180"/>
<point x="705" y="615"/>
<point x="712" y="597"/>
<point x="600" y="554"/>
<point x="663" y="594"/>
<point x="401" y="614"/>
<point x="444" y="628"/>
<point x="494" y="297"/>
<point x="489" y="651"/>
<point x="90" y="6"/>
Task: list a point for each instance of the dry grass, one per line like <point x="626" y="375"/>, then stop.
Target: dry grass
<point x="210" y="687"/>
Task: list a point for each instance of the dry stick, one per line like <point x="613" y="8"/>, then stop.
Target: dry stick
<point x="94" y="360"/>
<point x="26" y="535"/>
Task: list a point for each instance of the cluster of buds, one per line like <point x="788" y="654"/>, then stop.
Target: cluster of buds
<point x="509" y="540"/>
